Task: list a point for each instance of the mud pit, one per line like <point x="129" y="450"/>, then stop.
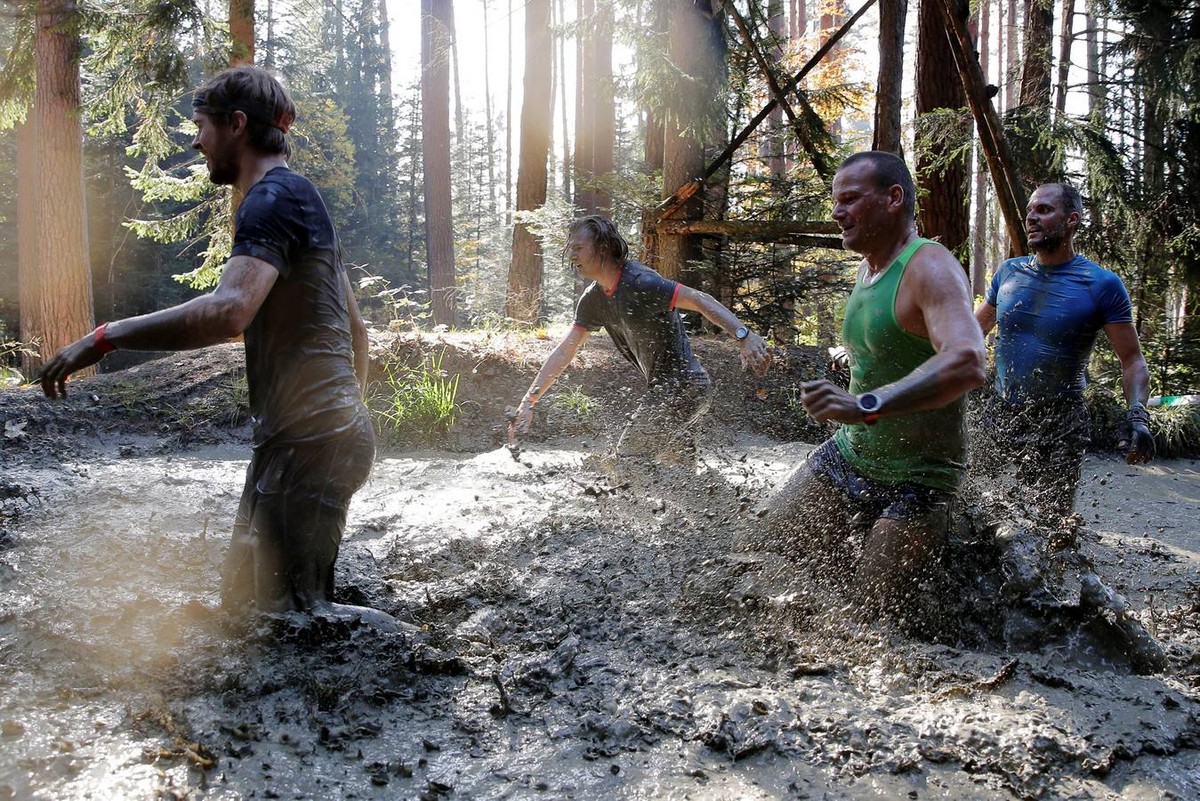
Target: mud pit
<point x="564" y="638"/>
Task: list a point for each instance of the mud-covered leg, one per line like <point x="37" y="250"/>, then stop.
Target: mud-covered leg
<point x="899" y="558"/>
<point x="807" y="517"/>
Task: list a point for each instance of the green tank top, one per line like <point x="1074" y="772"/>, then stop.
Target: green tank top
<point x="926" y="448"/>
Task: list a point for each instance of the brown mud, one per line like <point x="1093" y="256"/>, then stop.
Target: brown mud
<point x="563" y="636"/>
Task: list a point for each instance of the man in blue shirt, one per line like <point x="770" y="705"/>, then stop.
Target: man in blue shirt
<point x="1048" y="309"/>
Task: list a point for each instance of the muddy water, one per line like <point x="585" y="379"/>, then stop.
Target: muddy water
<point x="563" y="637"/>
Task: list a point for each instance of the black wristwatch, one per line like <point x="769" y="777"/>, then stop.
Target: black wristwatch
<point x="868" y="404"/>
<point x="741" y="333"/>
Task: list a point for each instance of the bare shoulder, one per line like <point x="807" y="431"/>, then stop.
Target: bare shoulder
<point x="935" y="272"/>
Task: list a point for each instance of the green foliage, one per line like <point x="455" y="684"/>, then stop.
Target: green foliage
<point x="574" y="400"/>
<point x="398" y="307"/>
<point x="1176" y="431"/>
<point x="416" y="403"/>
<point x="16" y="71"/>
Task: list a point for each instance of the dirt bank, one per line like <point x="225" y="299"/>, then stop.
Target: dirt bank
<point x="564" y="637"/>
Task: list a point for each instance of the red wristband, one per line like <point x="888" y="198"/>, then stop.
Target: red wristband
<point x="99" y="341"/>
<point x="871" y="418"/>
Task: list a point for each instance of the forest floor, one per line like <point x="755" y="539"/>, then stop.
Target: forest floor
<point x="562" y="635"/>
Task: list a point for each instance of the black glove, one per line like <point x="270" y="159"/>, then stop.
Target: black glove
<point x="1134" y="435"/>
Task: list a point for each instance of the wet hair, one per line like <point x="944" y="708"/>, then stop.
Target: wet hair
<point x="604" y="235"/>
<point x="890" y="170"/>
<point x="256" y="93"/>
<point x="1069" y="197"/>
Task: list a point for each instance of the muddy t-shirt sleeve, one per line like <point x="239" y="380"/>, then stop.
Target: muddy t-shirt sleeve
<point x="269" y="227"/>
<point x="1113" y="299"/>
<point x="654" y="293"/>
<point x="588" y="312"/>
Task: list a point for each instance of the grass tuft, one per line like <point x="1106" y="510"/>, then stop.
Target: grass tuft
<point x="416" y="403"/>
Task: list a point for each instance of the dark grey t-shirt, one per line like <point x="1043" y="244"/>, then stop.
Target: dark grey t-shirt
<point x="299" y="351"/>
<point x="640" y="318"/>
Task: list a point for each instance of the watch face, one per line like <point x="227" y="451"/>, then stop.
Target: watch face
<point x="868" y="402"/>
<point x="742" y="332"/>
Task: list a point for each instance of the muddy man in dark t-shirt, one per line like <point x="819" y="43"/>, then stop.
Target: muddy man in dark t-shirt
<point x="639" y="310"/>
<point x="285" y="289"/>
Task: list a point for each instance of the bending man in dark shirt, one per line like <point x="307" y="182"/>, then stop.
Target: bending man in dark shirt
<point x="285" y="289"/>
<point x="638" y="309"/>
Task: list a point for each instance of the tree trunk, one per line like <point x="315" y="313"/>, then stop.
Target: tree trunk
<point x="1012" y="57"/>
<point x="979" y="233"/>
<point x="29" y="287"/>
<point x="1035" y="66"/>
<point x="943" y="213"/>
<point x="561" y="48"/>
<point x="508" y="123"/>
<point x="64" y="284"/>
<point x="241" y="32"/>
<point x="694" y="51"/>
<point x="435" y="150"/>
<point x="584" y="129"/>
<point x="386" y="93"/>
<point x="777" y="25"/>
<point x="891" y="74"/>
<point x="524" y="298"/>
<point x="595" y="107"/>
<point x="489" y="120"/>
<point x="1064" y="55"/>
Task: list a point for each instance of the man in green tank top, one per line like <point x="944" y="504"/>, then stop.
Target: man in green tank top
<point x="915" y="351"/>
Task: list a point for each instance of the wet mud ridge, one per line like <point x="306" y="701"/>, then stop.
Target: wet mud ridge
<point x="562" y="636"/>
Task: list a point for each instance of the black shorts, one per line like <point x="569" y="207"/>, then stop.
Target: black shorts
<point x="871" y="499"/>
<point x="291" y="518"/>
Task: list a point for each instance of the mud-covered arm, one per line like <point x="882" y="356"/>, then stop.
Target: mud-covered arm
<point x="1134" y="437"/>
<point x="754" y="353"/>
<point x="555" y="363"/>
<point x="1135" y="375"/>
<point x="940" y="293"/>
<point x="358" y="336"/>
<point x="207" y="320"/>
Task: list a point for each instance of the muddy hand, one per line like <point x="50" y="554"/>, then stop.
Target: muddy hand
<point x="824" y="401"/>
<point x="1135" y="438"/>
<point x="79" y="354"/>
<point x="514" y="447"/>
<point x="755" y="355"/>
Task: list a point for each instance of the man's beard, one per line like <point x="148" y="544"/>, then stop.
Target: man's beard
<point x="1052" y="239"/>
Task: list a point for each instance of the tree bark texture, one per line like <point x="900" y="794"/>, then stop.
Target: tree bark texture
<point x="695" y="48"/>
<point x="241" y="32"/>
<point x="63" y="286"/>
<point x="524" y="297"/>
<point x="1064" y="55"/>
<point x="777" y="25"/>
<point x="435" y="154"/>
<point x="979" y="232"/>
<point x="944" y="210"/>
<point x="29" y="287"/>
<point x="1033" y="115"/>
<point x="891" y="74"/>
<point x="595" y="106"/>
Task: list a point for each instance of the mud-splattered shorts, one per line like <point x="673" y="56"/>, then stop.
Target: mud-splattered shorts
<point x="872" y="500"/>
<point x="290" y="521"/>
